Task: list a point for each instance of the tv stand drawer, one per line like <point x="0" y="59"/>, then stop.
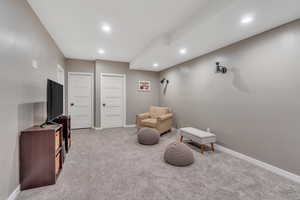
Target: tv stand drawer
<point x="57" y="139"/>
<point x="57" y="163"/>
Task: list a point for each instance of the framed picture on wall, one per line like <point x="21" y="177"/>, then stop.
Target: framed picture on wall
<point x="144" y="86"/>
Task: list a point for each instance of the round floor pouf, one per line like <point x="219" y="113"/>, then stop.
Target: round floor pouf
<point x="179" y="154"/>
<point x="148" y="136"/>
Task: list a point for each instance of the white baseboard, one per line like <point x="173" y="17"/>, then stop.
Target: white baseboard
<point x="14" y="194"/>
<point x="264" y="165"/>
<point x="126" y="126"/>
<point x="130" y="126"/>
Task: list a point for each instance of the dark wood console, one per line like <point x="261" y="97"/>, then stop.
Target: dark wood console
<point x="41" y="156"/>
<point x="65" y="121"/>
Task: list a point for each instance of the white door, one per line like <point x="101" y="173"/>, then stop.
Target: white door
<point x="80" y="100"/>
<point x="112" y="100"/>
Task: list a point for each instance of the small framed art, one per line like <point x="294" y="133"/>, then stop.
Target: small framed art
<point x="144" y="86"/>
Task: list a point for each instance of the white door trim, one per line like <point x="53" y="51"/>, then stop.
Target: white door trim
<point x="92" y="77"/>
<point x="124" y="95"/>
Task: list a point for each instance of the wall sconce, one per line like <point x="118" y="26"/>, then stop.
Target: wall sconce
<point x="164" y="80"/>
<point x="221" y="69"/>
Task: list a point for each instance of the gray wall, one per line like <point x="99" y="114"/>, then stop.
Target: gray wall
<point x="22" y="40"/>
<point x="254" y="108"/>
<point x="137" y="102"/>
<point x="74" y="65"/>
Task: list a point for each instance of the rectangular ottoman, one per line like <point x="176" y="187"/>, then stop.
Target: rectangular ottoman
<point x="199" y="136"/>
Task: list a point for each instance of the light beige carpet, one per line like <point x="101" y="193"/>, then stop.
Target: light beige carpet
<point x="110" y="164"/>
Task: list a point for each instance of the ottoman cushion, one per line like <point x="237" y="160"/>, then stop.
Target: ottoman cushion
<point x="148" y="136"/>
<point x="178" y="154"/>
<point x="196" y="135"/>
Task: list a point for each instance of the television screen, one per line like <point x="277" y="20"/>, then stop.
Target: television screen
<point x="54" y="100"/>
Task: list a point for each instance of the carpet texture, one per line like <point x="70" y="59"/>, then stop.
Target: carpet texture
<point x="111" y="165"/>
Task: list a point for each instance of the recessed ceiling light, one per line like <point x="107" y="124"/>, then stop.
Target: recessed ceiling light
<point x="155" y="65"/>
<point x="101" y="51"/>
<point x="106" y="28"/>
<point x="246" y="20"/>
<point x="182" y="51"/>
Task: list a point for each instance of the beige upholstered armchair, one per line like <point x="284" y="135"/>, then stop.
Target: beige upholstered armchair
<point x="159" y="118"/>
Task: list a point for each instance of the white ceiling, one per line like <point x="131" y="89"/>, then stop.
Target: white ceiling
<point x="144" y="32"/>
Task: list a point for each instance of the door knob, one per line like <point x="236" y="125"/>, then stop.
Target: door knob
<point x="72" y="104"/>
<point x="103" y="104"/>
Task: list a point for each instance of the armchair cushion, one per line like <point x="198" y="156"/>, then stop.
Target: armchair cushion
<point x="165" y="117"/>
<point x="155" y="111"/>
<point x="144" y="115"/>
<point x="150" y="122"/>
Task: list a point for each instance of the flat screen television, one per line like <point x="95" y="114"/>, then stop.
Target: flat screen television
<point x="55" y="105"/>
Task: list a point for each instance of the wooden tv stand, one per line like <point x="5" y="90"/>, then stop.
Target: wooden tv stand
<point x="65" y="121"/>
<point x="41" y="156"/>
